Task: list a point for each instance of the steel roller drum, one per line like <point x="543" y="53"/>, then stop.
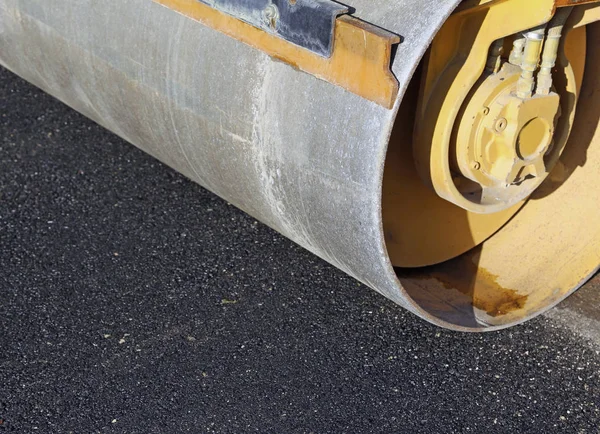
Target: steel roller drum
<point x="324" y="166"/>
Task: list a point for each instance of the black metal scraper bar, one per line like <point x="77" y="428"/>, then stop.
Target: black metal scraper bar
<point x="307" y="23"/>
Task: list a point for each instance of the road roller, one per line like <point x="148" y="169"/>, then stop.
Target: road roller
<point x="444" y="153"/>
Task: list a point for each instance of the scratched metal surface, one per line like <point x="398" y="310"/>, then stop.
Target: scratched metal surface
<point x="258" y="133"/>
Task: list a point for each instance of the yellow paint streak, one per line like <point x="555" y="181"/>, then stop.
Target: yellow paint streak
<point x="360" y="62"/>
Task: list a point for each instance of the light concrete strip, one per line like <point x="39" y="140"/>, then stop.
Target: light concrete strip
<point x="580" y="313"/>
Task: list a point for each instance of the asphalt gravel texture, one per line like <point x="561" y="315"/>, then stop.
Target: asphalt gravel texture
<point x="134" y="301"/>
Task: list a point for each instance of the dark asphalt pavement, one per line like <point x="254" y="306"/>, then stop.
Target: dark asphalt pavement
<point x="134" y="301"/>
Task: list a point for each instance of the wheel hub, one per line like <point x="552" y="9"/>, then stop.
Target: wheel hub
<point x="503" y="141"/>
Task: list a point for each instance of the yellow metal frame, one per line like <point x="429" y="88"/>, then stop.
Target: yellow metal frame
<point x="550" y="248"/>
<point x="456" y="60"/>
<point x="420" y="227"/>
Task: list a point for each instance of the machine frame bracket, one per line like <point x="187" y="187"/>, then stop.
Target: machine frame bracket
<point x="360" y="57"/>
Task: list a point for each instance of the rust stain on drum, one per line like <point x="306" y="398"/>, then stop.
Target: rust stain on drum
<point x="477" y="283"/>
